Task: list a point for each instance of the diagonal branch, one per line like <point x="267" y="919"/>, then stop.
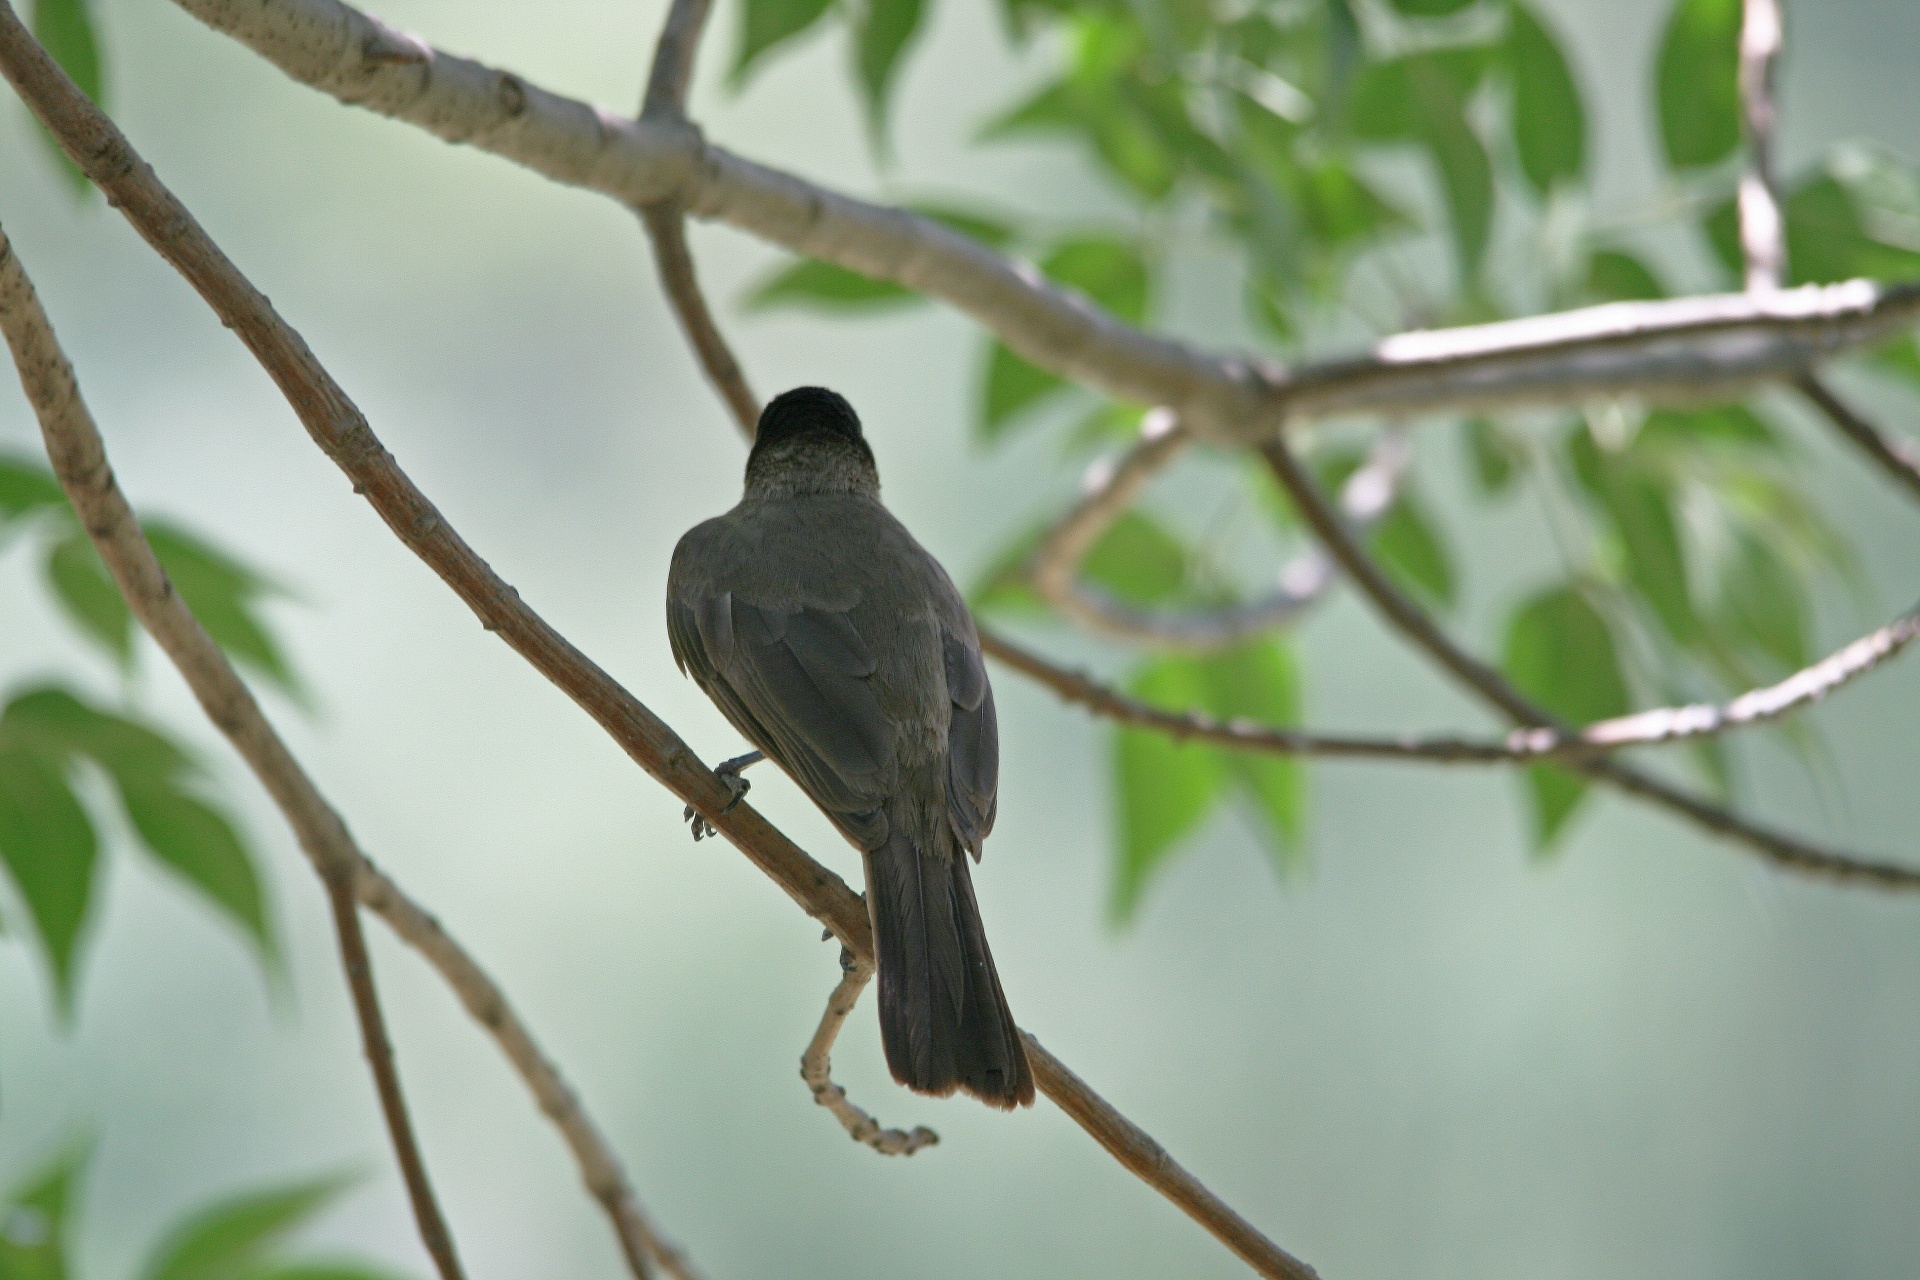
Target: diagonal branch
<point x="1412" y="622"/>
<point x="1688" y="349"/>
<point x="1524" y="746"/>
<point x="1111" y="490"/>
<point x="79" y="460"/>
<point x="342" y="432"/>
<point x="816" y="1068"/>
<point x="1896" y="457"/>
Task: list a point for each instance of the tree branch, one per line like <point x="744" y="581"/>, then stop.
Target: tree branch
<point x="79" y="460"/>
<point x="666" y="222"/>
<point x="1111" y="490"/>
<point x="1684" y="350"/>
<point x="342" y="432"/>
<point x="1413" y="623"/>
<point x="1524" y="746"/>
<point x="1763" y="240"/>
<point x="816" y="1068"/>
<point x="1896" y="457"/>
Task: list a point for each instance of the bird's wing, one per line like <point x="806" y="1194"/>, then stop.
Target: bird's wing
<point x="973" y="742"/>
<point x="800" y="685"/>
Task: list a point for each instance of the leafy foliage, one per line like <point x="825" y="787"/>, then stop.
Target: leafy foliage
<point x="241" y="1237"/>
<point x="1560" y="653"/>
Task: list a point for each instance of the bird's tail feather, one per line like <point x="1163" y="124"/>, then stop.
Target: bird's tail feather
<point x="943" y="1019"/>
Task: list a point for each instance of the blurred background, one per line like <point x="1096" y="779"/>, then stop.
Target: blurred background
<point x="1430" y="1057"/>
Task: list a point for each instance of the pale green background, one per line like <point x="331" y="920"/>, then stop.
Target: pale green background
<point x="1649" y="1058"/>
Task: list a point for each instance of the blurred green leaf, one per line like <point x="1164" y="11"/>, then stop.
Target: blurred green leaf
<point x="65" y="28"/>
<point x="1614" y="275"/>
<point x="1725" y="426"/>
<point x="27" y="486"/>
<point x="198" y="843"/>
<point x="1406" y="544"/>
<point x="49" y="849"/>
<point x="1900" y="358"/>
<point x="1549" y="123"/>
<point x="1466" y="174"/>
<point x="60" y="726"/>
<point x="1638" y="505"/>
<point x="767" y="24"/>
<point x="1138" y="561"/>
<point x="1697" y="82"/>
<point x="1109" y="271"/>
<point x="1830" y="230"/>
<point x="36" y="1219"/>
<point x="1430" y="8"/>
<point x="324" y="1271"/>
<point x="1164" y="788"/>
<point x="1495" y="455"/>
<point x="1422" y="98"/>
<point x="231" y="1240"/>
<point x="1013" y="386"/>
<point x="224" y="595"/>
<point x="813" y="283"/>
<point x="882" y="31"/>
<point x="1560" y="653"/>
<point x="87" y="593"/>
<point x="1761" y="603"/>
<point x="1260" y="682"/>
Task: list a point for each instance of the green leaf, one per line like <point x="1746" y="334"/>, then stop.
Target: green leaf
<point x="1614" y="275"/>
<point x="66" y="29"/>
<point x="223" y="594"/>
<point x="36" y="1219"/>
<point x="60" y="726"/>
<point x="231" y="1240"/>
<point x="1406" y="544"/>
<point x="1900" y="359"/>
<point x="27" y="486"/>
<point x="1560" y="653"/>
<point x="198" y="843"/>
<point x="1164" y="788"/>
<point x="882" y="32"/>
<point x="1430" y="8"/>
<point x="1466" y="174"/>
<point x="1698" y="83"/>
<point x="324" y="1271"/>
<point x="1138" y="561"/>
<point x="1109" y="271"/>
<point x="1260" y="682"/>
<point x="1639" y="507"/>
<point x="1549" y="124"/>
<point x="766" y="24"/>
<point x="812" y="283"/>
<point x="1013" y="386"/>
<point x="1495" y="455"/>
<point x="87" y="592"/>
<point x="1761" y="603"/>
<point x="49" y="849"/>
<point x="1725" y="426"/>
<point x="1422" y="98"/>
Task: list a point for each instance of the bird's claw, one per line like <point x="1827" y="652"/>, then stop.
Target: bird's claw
<point x="729" y="775"/>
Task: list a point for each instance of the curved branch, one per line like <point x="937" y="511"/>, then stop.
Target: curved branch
<point x="342" y="432"/>
<point x="666" y="220"/>
<point x="816" y="1068"/>
<point x="1112" y="488"/>
<point x="1523" y="746"/>
<point x="1413" y="623"/>
<point x="79" y="459"/>
<point x="1687" y="349"/>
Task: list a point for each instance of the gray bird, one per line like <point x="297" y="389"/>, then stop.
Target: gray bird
<point x="839" y="647"/>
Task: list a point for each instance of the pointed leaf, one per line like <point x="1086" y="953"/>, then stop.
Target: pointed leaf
<point x="1164" y="788"/>
<point x="1012" y="388"/>
<point x="1260" y="682"/>
<point x="224" y="595"/>
<point x="49" y="849"/>
<point x="1466" y="175"/>
<point x="1762" y="605"/>
<point x="1138" y="560"/>
<point x="87" y="593"/>
<point x="1430" y="8"/>
<point x="65" y="28"/>
<point x="1109" y="271"/>
<point x="767" y="24"/>
<point x="1613" y="275"/>
<point x="26" y="486"/>
<point x="232" y="1238"/>
<point x="1698" y="83"/>
<point x="1494" y="455"/>
<point x="1560" y="653"/>
<point x="882" y="32"/>
<point x="1412" y="552"/>
<point x="1549" y="124"/>
<point x="812" y="283"/>
<point x="196" y="842"/>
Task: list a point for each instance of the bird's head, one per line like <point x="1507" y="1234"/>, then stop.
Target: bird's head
<point x="809" y="441"/>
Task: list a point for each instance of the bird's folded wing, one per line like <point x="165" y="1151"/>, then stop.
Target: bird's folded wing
<point x="798" y="684"/>
<point x="973" y="743"/>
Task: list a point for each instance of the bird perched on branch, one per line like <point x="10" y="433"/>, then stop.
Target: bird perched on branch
<point x="839" y="647"/>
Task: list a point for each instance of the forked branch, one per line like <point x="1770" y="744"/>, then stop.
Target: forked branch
<point x="816" y="1068"/>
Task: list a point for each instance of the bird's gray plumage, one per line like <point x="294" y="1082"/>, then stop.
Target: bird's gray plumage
<point x="835" y="643"/>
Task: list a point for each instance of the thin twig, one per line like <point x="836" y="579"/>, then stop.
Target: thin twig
<point x="1681" y="350"/>
<point x="342" y="432"/>
<point x="1413" y="623"/>
<point x="816" y="1068"/>
<point x="1762" y="229"/>
<point x="1896" y="457"/>
<point x="1523" y="746"/>
<point x="666" y="220"/>
<point x="1111" y="489"/>
<point x="80" y="461"/>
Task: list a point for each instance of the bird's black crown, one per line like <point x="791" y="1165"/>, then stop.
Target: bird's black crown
<point x="807" y="411"/>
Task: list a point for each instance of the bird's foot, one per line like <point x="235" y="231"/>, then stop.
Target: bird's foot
<point x="728" y="771"/>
